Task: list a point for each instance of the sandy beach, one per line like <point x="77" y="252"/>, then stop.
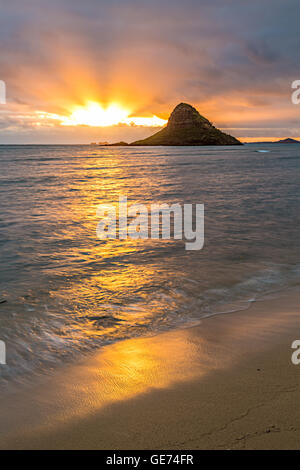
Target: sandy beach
<point x="228" y="383"/>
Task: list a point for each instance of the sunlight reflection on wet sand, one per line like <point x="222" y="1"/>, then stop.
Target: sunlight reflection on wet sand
<point x="128" y="369"/>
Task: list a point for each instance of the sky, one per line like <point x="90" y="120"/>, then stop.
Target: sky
<point x="68" y="63"/>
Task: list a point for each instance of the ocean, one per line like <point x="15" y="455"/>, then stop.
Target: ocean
<point x="66" y="292"/>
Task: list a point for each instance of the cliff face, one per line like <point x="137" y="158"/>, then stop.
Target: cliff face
<point x="187" y="127"/>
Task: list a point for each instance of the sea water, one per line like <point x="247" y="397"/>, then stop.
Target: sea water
<point x="65" y="292"/>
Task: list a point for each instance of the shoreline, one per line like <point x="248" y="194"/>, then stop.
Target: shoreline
<point x="221" y="380"/>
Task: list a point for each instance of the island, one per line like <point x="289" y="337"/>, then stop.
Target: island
<point x="288" y="141"/>
<point x="283" y="141"/>
<point x="186" y="127"/>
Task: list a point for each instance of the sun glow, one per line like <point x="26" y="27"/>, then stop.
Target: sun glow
<point x="94" y="115"/>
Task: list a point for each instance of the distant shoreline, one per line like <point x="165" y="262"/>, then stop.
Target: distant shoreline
<point x="130" y="146"/>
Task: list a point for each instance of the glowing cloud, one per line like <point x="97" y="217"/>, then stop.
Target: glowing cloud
<point x="94" y="115"/>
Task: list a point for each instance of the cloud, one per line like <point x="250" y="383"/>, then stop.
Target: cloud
<point x="234" y="60"/>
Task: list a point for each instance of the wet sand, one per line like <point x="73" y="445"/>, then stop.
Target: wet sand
<point x="228" y="383"/>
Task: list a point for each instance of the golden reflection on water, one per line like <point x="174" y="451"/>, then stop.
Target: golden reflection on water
<point x="119" y="279"/>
